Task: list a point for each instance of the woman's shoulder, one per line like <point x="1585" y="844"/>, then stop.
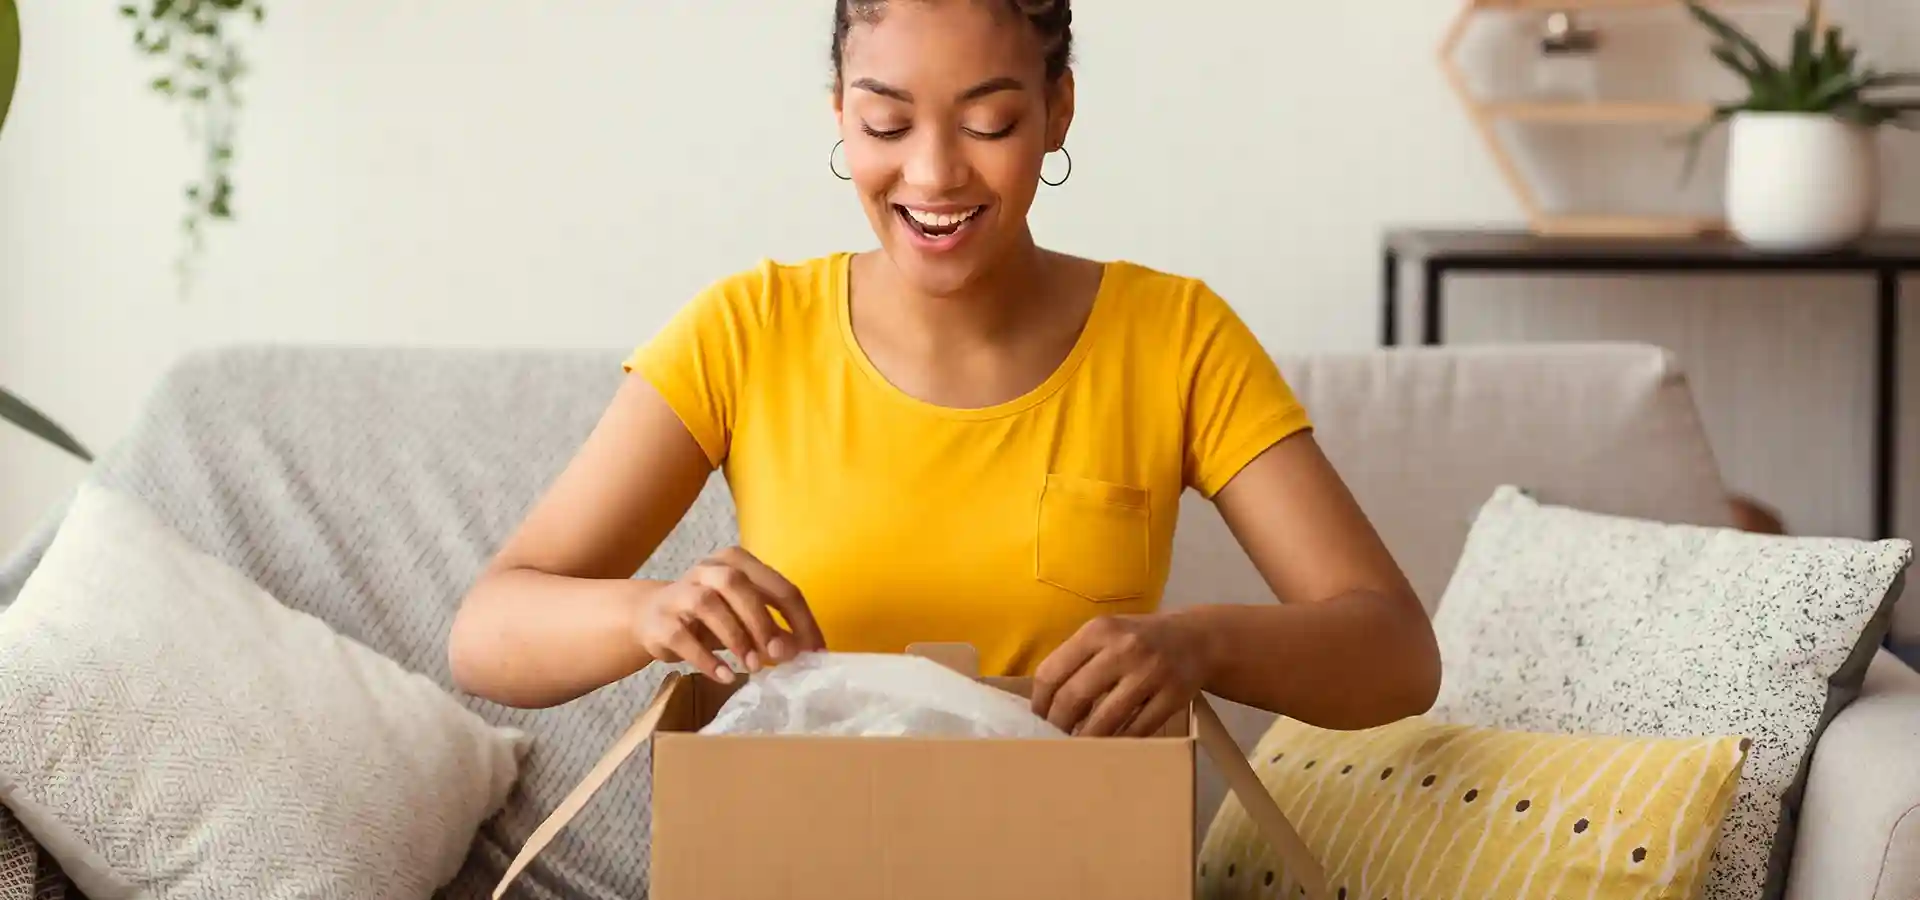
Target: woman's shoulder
<point x="772" y="289"/>
<point x="1160" y="298"/>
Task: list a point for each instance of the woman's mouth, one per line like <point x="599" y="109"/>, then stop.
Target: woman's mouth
<point x="937" y="230"/>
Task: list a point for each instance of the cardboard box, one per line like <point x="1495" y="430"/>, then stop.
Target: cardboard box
<point x="884" y="818"/>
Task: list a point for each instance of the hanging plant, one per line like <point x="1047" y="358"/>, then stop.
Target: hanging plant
<point x="194" y="42"/>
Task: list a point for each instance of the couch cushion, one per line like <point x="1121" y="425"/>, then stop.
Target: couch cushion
<point x="1564" y="620"/>
<point x="169" y="730"/>
<point x="1419" y="808"/>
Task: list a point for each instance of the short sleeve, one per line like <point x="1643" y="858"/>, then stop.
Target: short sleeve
<point x="698" y="362"/>
<point x="1237" y="402"/>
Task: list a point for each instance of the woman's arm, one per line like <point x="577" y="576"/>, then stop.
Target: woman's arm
<point x="558" y="614"/>
<point x="1349" y="645"/>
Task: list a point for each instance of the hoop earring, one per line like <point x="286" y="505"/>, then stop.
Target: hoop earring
<point x="831" y="166"/>
<point x="1063" y="178"/>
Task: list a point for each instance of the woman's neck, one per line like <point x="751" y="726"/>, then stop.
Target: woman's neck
<point x="1010" y="298"/>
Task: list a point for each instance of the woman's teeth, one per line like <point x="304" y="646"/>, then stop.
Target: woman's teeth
<point x="938" y="224"/>
<point x="941" y="220"/>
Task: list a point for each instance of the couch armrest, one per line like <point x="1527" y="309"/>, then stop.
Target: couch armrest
<point x="1859" y="836"/>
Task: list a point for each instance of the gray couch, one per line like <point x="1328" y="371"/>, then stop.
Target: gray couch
<point x="368" y="486"/>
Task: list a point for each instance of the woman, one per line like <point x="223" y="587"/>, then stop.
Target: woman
<point x="958" y="437"/>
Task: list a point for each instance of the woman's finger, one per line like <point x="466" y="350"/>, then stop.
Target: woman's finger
<point x="1072" y="701"/>
<point x="716" y="614"/>
<point x="1058" y="668"/>
<point x="1156" y="713"/>
<point x="750" y="606"/>
<point x="783" y="596"/>
<point x="686" y="644"/>
<point x="1114" y="710"/>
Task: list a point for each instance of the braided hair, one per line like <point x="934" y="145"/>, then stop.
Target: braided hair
<point x="1052" y="20"/>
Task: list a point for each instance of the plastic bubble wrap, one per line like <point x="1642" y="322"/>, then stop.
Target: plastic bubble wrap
<point x="884" y="695"/>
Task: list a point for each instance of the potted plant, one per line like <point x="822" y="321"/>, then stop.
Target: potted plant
<point x="1803" y="167"/>
<point x="13" y="409"/>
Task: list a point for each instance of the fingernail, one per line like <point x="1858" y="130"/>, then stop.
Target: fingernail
<point x="778" y="647"/>
<point x="725" y="674"/>
<point x="753" y="661"/>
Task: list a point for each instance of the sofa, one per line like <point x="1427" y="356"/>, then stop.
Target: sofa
<point x="368" y="487"/>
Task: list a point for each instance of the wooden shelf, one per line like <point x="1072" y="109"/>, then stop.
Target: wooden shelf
<point x="1605" y="226"/>
<point x="1599" y="112"/>
<point x="1487" y="115"/>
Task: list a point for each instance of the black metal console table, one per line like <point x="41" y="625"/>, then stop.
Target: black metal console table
<point x="1886" y="257"/>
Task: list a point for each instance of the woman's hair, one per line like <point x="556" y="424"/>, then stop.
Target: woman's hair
<point x="1051" y="19"/>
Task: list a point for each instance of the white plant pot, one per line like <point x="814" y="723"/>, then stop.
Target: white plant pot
<point x="1801" y="182"/>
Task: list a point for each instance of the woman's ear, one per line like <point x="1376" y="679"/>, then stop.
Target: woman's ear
<point x="1060" y="111"/>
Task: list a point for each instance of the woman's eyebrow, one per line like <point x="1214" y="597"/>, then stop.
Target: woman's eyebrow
<point x="984" y="88"/>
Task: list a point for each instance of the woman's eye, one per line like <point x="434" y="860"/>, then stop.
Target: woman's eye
<point x="885" y="134"/>
<point x="992" y="134"/>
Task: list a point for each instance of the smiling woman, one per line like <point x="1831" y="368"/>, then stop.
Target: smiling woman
<point x="959" y="436"/>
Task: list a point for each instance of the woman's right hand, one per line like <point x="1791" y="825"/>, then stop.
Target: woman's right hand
<point x="726" y="602"/>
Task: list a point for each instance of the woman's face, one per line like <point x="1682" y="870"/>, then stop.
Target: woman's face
<point x="947" y="116"/>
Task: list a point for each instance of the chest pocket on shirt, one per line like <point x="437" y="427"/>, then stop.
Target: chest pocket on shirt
<point x="1092" y="538"/>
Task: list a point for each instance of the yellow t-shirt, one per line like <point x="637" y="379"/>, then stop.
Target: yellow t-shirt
<point x="1006" y="527"/>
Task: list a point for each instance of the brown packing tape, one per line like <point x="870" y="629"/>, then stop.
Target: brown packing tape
<point x="1213" y="738"/>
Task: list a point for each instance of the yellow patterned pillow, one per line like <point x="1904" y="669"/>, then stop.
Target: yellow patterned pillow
<point x="1419" y="810"/>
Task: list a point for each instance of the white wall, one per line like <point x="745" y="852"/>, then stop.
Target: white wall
<point x="565" y="174"/>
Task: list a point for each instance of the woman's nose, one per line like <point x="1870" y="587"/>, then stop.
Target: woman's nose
<point x="936" y="164"/>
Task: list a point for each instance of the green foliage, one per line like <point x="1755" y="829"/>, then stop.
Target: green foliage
<point x="193" y="42"/>
<point x="1821" y="74"/>
<point x="15" y="410"/>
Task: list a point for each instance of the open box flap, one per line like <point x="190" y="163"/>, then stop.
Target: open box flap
<point x="636" y="734"/>
<point x="1212" y="736"/>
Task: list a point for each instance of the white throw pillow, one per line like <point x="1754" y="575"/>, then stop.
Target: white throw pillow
<point x="169" y="730"/>
<point x="1567" y="621"/>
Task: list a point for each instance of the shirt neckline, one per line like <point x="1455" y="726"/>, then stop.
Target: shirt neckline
<point x="1082" y="345"/>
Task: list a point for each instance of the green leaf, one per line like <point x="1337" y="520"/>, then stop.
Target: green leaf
<point x="1835" y="58"/>
<point x="1732" y="60"/>
<point x="1802" y="66"/>
<point x="15" y="410"/>
<point x="1726" y="31"/>
<point x="130" y="11"/>
<point x="1834" y="91"/>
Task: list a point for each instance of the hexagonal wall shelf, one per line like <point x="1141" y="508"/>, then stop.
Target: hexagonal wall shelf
<point x="1486" y="115"/>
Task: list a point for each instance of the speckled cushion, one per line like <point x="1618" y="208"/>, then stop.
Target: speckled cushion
<point x="1567" y="621"/>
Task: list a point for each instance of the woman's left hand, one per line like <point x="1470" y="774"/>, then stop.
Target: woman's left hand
<point x="1121" y="675"/>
